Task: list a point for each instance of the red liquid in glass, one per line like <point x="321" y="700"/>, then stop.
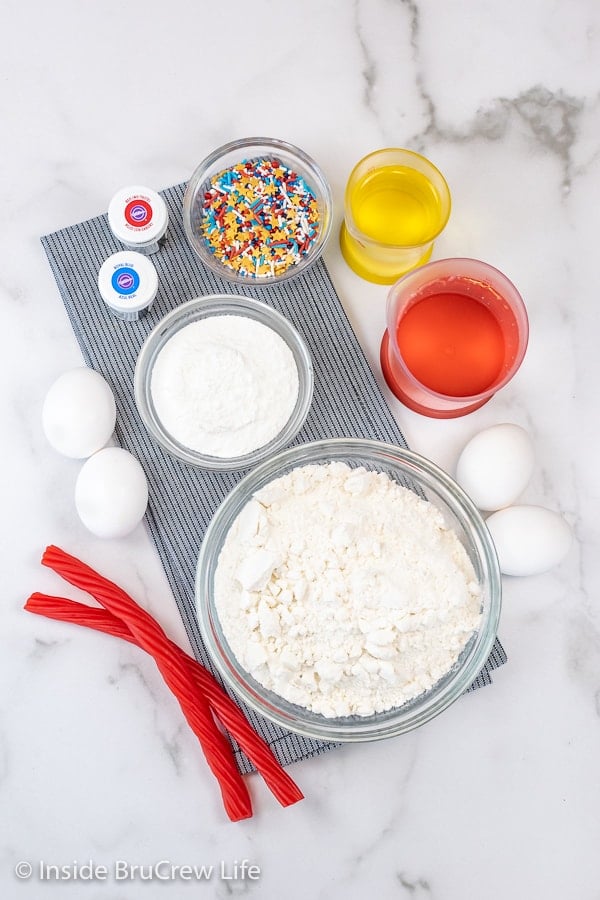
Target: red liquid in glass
<point x="452" y="344"/>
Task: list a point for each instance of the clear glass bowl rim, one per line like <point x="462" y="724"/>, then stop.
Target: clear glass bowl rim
<point x="258" y="145"/>
<point x="427" y="475"/>
<point x="222" y="304"/>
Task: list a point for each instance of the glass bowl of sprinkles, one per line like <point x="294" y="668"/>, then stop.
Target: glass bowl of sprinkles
<point x="223" y="381"/>
<point x="257" y="211"/>
<point x="348" y="590"/>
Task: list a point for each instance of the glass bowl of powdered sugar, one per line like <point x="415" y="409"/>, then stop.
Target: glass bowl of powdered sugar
<point x="348" y="590"/>
<point x="223" y="381"/>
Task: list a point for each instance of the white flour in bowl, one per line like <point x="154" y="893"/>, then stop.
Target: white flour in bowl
<point x="344" y="592"/>
<point x="225" y="385"/>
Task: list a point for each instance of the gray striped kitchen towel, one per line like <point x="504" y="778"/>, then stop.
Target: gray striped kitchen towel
<point x="347" y="401"/>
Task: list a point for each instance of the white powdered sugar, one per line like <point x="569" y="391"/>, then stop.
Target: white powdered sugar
<point x="225" y="385"/>
<point x="344" y="592"/>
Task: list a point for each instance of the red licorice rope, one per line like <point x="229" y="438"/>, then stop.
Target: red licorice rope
<point x="188" y="680"/>
<point x="148" y="634"/>
<point x="230" y="716"/>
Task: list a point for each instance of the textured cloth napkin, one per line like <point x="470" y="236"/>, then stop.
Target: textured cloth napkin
<point x="347" y="401"/>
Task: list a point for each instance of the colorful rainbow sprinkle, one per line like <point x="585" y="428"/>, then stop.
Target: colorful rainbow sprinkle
<point x="259" y="217"/>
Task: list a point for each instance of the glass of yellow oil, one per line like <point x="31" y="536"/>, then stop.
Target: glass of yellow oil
<point x="396" y="204"/>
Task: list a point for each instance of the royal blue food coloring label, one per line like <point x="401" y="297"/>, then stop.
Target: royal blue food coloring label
<point x="125" y="280"/>
<point x="128" y="283"/>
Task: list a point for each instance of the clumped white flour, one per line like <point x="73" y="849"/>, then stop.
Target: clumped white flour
<point x="344" y="592"/>
<point x="225" y="386"/>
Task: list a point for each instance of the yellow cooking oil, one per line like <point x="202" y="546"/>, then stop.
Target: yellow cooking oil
<point x="396" y="205"/>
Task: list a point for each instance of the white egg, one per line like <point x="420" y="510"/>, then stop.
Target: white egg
<point x="79" y="413"/>
<point x="111" y="493"/>
<point x="496" y="465"/>
<point x="529" y="540"/>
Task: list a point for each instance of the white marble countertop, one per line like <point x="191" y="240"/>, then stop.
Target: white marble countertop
<point x="498" y="797"/>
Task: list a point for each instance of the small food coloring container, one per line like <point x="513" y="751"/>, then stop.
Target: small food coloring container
<point x="128" y="283"/>
<point x="138" y="218"/>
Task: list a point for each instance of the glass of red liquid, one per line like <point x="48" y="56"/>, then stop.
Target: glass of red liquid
<point x="457" y="331"/>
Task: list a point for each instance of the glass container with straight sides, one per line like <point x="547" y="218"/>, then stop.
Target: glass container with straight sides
<point x="396" y="204"/>
<point x="457" y="331"/>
